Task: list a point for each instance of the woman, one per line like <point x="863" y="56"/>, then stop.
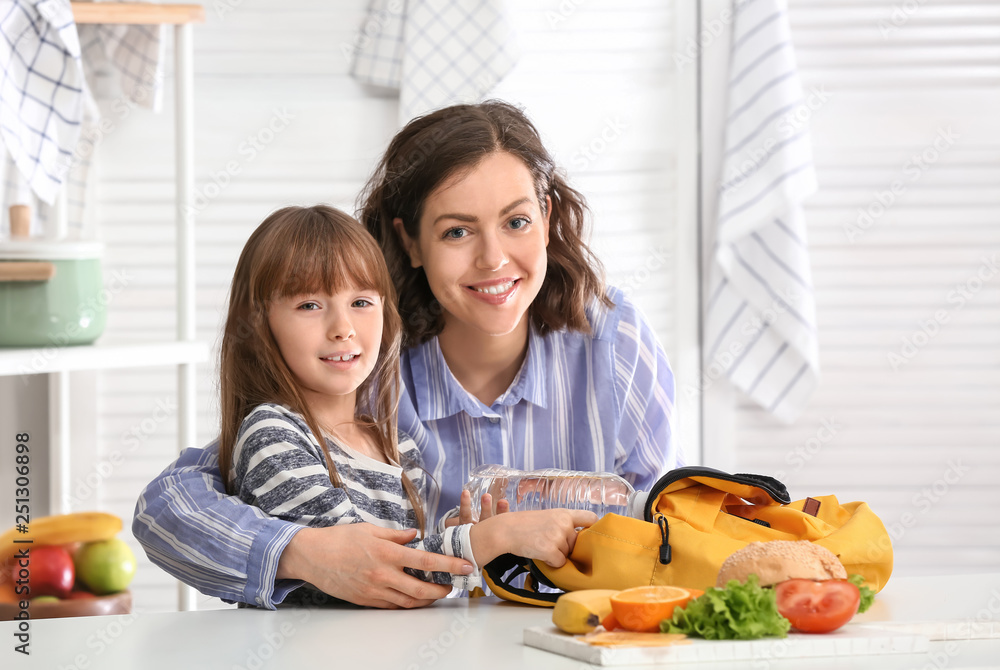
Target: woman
<point x="514" y="353"/>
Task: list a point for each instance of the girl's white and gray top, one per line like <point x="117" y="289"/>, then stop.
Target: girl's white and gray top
<point x="279" y="467"/>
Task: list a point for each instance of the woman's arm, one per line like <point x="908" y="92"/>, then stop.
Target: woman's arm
<point x="644" y="390"/>
<point x="190" y="528"/>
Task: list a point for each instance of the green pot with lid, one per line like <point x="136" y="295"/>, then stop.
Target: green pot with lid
<point x="51" y="293"/>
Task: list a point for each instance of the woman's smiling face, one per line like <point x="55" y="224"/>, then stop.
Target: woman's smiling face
<point x="482" y="245"/>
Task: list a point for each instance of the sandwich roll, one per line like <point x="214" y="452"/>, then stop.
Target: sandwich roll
<point x="778" y="560"/>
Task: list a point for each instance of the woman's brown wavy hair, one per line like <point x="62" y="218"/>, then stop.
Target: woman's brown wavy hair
<point x="432" y="148"/>
<point x="299" y="250"/>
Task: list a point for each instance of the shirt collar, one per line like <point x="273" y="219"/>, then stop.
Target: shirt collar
<point x="438" y="394"/>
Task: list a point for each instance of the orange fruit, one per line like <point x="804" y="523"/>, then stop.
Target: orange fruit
<point x="642" y="608"/>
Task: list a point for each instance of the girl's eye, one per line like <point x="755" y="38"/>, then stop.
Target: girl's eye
<point x="519" y="223"/>
<point x="361" y="302"/>
<point x="309" y="306"/>
<point x="455" y="233"/>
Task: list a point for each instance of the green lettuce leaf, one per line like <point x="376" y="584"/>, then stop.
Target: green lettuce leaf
<point x="737" y="612"/>
<point x="867" y="595"/>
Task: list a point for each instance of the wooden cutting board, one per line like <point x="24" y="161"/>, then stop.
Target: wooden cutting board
<point x="850" y="640"/>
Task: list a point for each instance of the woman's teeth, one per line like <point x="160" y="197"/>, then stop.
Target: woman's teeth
<point x="345" y="357"/>
<point x="496" y="289"/>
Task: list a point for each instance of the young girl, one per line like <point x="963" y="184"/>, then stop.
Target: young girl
<point x="310" y="383"/>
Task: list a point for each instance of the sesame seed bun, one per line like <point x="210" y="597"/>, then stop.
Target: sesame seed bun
<point x="779" y="560"/>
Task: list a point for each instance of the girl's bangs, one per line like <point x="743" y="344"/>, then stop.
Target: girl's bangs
<point x="327" y="262"/>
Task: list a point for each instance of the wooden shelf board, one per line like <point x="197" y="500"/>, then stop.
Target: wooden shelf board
<point x="136" y="13"/>
<point x="29" y="361"/>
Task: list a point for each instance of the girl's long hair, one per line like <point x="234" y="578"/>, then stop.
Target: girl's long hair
<point x="432" y="148"/>
<point x="299" y="250"/>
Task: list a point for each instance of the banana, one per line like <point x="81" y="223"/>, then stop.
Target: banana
<point x="580" y="612"/>
<point x="60" y="529"/>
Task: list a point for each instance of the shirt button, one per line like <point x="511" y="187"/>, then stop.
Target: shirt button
<point x="494" y="419"/>
<point x="260" y="601"/>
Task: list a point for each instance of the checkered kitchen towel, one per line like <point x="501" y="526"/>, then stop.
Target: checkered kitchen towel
<point x="436" y="52"/>
<point x="761" y="312"/>
<point x="51" y="145"/>
<point x="41" y="92"/>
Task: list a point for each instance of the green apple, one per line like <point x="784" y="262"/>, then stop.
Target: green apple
<point x="106" y="566"/>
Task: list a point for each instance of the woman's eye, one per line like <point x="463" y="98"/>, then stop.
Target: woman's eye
<point x="455" y="233"/>
<point x="519" y="223"/>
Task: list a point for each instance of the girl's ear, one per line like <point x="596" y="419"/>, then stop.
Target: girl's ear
<point x="411" y="246"/>
<point x="548" y="213"/>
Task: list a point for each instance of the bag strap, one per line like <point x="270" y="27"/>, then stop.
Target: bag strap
<point x="501" y="572"/>
<point x="769" y="485"/>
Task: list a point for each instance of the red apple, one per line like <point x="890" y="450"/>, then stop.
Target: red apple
<point x="50" y="571"/>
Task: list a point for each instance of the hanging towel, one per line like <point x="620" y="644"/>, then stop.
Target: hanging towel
<point x="41" y="91"/>
<point x="436" y="52"/>
<point x="93" y="54"/>
<point x="760" y="310"/>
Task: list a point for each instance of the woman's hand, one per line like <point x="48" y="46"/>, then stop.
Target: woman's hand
<point x="363" y="564"/>
<point x="545" y="535"/>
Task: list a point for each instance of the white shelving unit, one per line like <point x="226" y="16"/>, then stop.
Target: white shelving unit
<point x="182" y="351"/>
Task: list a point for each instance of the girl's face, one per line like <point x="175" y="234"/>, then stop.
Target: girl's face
<point x="482" y="245"/>
<point x="329" y="342"/>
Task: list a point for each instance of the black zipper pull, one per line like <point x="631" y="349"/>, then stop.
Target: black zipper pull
<point x="661" y="521"/>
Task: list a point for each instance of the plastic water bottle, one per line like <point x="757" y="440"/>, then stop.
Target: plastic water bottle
<point x="599" y="492"/>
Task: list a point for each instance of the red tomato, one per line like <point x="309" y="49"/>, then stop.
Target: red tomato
<point x="50" y="571"/>
<point x="817" y="607"/>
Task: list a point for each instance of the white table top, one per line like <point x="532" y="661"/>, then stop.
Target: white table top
<point x="458" y="633"/>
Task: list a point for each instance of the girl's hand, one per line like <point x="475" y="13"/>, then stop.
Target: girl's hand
<point x="465" y="514"/>
<point x="544" y="535"/>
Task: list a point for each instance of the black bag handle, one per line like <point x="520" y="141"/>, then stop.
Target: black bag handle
<point x="771" y="486"/>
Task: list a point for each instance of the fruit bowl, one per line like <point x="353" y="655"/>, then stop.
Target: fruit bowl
<point x="116" y="603"/>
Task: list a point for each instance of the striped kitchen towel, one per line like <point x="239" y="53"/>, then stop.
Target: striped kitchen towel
<point x="436" y="52"/>
<point x="760" y="329"/>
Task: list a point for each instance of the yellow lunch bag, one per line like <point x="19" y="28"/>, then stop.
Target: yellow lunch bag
<point x="695" y="517"/>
